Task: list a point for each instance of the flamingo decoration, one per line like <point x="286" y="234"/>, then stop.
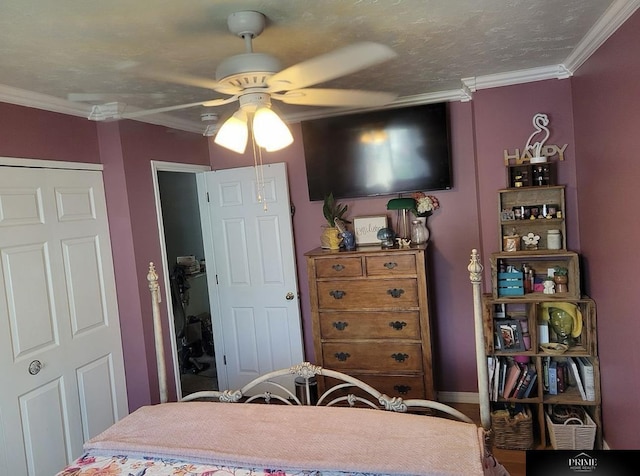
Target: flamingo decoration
<point x="540" y="121"/>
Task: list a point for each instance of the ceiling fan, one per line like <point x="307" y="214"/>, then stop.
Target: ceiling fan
<point x="254" y="79"/>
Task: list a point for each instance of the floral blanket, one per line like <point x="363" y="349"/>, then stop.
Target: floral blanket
<point x="120" y="465"/>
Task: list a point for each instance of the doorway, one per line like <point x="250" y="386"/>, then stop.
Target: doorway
<point x="186" y="283"/>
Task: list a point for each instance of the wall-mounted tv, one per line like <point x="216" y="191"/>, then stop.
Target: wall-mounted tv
<point x="383" y="152"/>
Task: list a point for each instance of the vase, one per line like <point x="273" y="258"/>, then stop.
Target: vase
<point x="561" y="322"/>
<point x="561" y="281"/>
<point x="419" y="231"/>
<point x="330" y="238"/>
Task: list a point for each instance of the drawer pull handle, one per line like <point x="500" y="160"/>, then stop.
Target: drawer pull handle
<point x="402" y="389"/>
<point x="342" y="356"/>
<point x="337" y="294"/>
<point x="395" y="292"/>
<point x="337" y="267"/>
<point x="390" y="265"/>
<point x="398" y="325"/>
<point x="340" y="325"/>
<point x="400" y="357"/>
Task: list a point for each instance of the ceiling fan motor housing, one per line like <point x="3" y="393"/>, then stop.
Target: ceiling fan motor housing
<point x="247" y="70"/>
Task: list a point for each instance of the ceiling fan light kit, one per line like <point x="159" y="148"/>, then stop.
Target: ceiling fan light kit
<point x="234" y="133"/>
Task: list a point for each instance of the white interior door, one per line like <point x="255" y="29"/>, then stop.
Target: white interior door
<point x="60" y="349"/>
<point x="255" y="306"/>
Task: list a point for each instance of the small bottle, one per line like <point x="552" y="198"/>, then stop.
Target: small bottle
<point x="525" y="276"/>
<point x="531" y="277"/>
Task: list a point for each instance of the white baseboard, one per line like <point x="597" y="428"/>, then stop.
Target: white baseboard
<point x="458" y="397"/>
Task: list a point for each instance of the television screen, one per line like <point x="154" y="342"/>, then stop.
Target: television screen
<point x="382" y="152"/>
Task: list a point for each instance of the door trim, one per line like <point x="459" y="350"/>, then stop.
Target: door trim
<point x="48" y="164"/>
<point x="160" y="166"/>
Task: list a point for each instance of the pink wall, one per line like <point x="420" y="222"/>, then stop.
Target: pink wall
<point x="502" y="119"/>
<point x="606" y="97"/>
<point x="35" y="134"/>
<point x="139" y="243"/>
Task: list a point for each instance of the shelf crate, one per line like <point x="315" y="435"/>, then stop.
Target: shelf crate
<point x="541" y="262"/>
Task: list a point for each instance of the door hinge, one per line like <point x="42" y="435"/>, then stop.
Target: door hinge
<point x="217" y="280"/>
<point x="207" y="196"/>
<point x="224" y="359"/>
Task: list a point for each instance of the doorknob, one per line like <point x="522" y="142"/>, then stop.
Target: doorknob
<point x="35" y="367"/>
<point x="289" y="296"/>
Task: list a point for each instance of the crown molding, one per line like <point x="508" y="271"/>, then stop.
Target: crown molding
<point x="617" y="13"/>
<point x="22" y="97"/>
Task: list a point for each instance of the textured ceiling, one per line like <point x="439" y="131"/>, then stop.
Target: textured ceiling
<point x="52" y="49"/>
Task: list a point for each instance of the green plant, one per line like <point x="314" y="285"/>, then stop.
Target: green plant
<point x="333" y="210"/>
<point x="560" y="271"/>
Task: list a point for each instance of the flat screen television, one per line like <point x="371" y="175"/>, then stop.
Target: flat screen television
<point x="383" y="152"/>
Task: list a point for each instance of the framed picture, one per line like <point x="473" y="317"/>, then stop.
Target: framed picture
<point x="366" y="228"/>
<point x="509" y="335"/>
<point x="507" y="215"/>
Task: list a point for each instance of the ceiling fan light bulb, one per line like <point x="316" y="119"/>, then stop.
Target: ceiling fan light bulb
<point x="270" y="131"/>
<point x="234" y="133"/>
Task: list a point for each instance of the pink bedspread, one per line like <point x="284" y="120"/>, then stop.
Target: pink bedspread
<point x="296" y="438"/>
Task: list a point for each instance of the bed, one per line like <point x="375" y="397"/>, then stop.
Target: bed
<point x="265" y="428"/>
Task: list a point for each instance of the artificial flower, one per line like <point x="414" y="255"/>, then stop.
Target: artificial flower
<point x="425" y="204"/>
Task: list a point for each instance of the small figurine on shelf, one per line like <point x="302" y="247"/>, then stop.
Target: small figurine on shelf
<point x="531" y="241"/>
<point x="348" y="240"/>
<point x="549" y="285"/>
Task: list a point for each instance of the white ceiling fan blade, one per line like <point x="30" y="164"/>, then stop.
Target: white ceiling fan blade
<point x="147" y="112"/>
<point x="336" y="97"/>
<point x="185" y="79"/>
<point x="334" y="64"/>
<point x="91" y="97"/>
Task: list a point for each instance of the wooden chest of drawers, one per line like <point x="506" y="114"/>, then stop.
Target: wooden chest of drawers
<point x="370" y="317"/>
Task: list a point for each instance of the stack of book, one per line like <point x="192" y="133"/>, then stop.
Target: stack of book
<point x="510" y="379"/>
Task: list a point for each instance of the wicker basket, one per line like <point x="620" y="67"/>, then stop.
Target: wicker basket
<point x="512" y="433"/>
<point x="570" y="436"/>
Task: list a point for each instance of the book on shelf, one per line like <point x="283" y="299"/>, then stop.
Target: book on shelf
<point x="495" y="389"/>
<point x="588" y="379"/>
<point x="553" y="377"/>
<point x="562" y="376"/>
<point x="503" y="375"/>
<point x="545" y="373"/>
<point x="531" y="386"/>
<point x="511" y="380"/>
<point x="576" y="377"/>
<point x="525" y="381"/>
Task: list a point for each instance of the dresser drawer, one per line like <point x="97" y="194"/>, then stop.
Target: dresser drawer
<point x="383" y="356"/>
<point x="370" y="325"/>
<point x="390" y="265"/>
<point x="345" y="267"/>
<point x="368" y="294"/>
<point x="404" y="386"/>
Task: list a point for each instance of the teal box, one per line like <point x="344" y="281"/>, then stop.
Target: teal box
<point x="510" y="284"/>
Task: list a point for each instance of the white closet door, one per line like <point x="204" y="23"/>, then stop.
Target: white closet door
<point x="60" y="347"/>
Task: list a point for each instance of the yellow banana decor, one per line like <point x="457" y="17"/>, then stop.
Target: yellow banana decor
<point x="572" y="309"/>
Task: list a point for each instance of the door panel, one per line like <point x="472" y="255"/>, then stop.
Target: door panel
<point x="60" y="343"/>
<point x="250" y="244"/>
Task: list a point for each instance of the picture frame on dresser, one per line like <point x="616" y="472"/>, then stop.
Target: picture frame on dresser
<point x="365" y="229"/>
